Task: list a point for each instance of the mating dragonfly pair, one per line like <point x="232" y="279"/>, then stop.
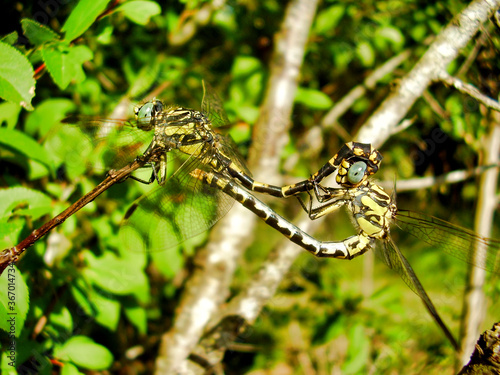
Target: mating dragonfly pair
<point x="212" y="175"/>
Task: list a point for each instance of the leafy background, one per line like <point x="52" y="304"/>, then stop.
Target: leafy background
<point x="92" y="306"/>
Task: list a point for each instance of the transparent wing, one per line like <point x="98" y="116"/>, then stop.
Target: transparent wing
<point x="175" y="212"/>
<point x="394" y="259"/>
<point x="107" y="143"/>
<point x="212" y="106"/>
<point x="456" y="241"/>
<point x="229" y="149"/>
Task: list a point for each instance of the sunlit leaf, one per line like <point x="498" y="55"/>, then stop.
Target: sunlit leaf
<point x="37" y="33"/>
<point x="140" y="11"/>
<point x="64" y="62"/>
<point x="84" y="352"/>
<point x="24" y="145"/>
<point x="16" y="77"/>
<point x="84" y="15"/>
<point x="313" y="98"/>
<point x="14" y="301"/>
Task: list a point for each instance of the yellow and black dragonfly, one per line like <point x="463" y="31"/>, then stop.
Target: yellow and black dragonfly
<point x="175" y="141"/>
<point x="374" y="212"/>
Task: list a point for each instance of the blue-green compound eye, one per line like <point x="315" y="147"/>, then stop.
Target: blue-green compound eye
<point x="356" y="172"/>
<point x="144" y="113"/>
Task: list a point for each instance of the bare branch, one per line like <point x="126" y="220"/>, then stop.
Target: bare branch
<point x="442" y="52"/>
<point x="474" y="305"/>
<point x="330" y="120"/>
<point x="427" y="182"/>
<point x="11" y="255"/>
<point x="468" y="89"/>
<point x="359" y="91"/>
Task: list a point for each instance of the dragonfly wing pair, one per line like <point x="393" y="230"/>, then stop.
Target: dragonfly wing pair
<point x="459" y="242"/>
<point x="170" y="214"/>
<point x="390" y="254"/>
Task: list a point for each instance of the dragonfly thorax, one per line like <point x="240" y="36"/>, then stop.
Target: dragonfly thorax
<point x="373" y="210"/>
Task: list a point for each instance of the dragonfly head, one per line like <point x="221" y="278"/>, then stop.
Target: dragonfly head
<point x="355" y="168"/>
<point x="147" y="113"/>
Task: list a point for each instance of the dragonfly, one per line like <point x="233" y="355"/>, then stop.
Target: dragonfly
<point x="374" y="212"/>
<point x="182" y="140"/>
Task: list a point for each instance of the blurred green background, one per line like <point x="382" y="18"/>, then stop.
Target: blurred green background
<point x="329" y="317"/>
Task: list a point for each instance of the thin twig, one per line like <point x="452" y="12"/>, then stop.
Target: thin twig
<point x="430" y="181"/>
<point x="191" y="20"/>
<point x="440" y="54"/>
<point x="12" y="254"/>
<point x="468" y="89"/>
<point x="330" y="120"/>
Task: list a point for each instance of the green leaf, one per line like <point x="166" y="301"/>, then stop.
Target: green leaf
<point x="37" y="33"/>
<point x="358" y="352"/>
<point x="61" y="319"/>
<point x="33" y="202"/>
<point x="70" y="369"/>
<point x="313" y="98"/>
<point x="248" y="82"/>
<point x="328" y="19"/>
<point x="392" y="34"/>
<point x="140" y="11"/>
<point x="64" y="62"/>
<point x="11" y="38"/>
<point x="138" y="317"/>
<point x="84" y="15"/>
<point x="84" y="352"/>
<point x="9" y="113"/>
<point x="16" y="77"/>
<point x="25" y="145"/>
<point x="14" y="301"/>
<point x="365" y="53"/>
<point x="115" y="275"/>
<point x="105" y="310"/>
<point x="48" y="114"/>
<point x="146" y="78"/>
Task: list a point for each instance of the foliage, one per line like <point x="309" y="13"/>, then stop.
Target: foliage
<point x="90" y="301"/>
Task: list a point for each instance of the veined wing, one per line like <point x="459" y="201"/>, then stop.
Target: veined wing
<point x="109" y="143"/>
<point x="456" y="241"/>
<point x="180" y="209"/>
<point x="394" y="259"/>
<point x="212" y="106"/>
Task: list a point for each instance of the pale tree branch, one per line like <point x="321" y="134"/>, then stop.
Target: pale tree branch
<point x="208" y="288"/>
<point x="474" y="301"/>
<point x="431" y="181"/>
<point x="446" y="47"/>
<point x="468" y="89"/>
<point x="313" y="137"/>
<point x="331" y="118"/>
